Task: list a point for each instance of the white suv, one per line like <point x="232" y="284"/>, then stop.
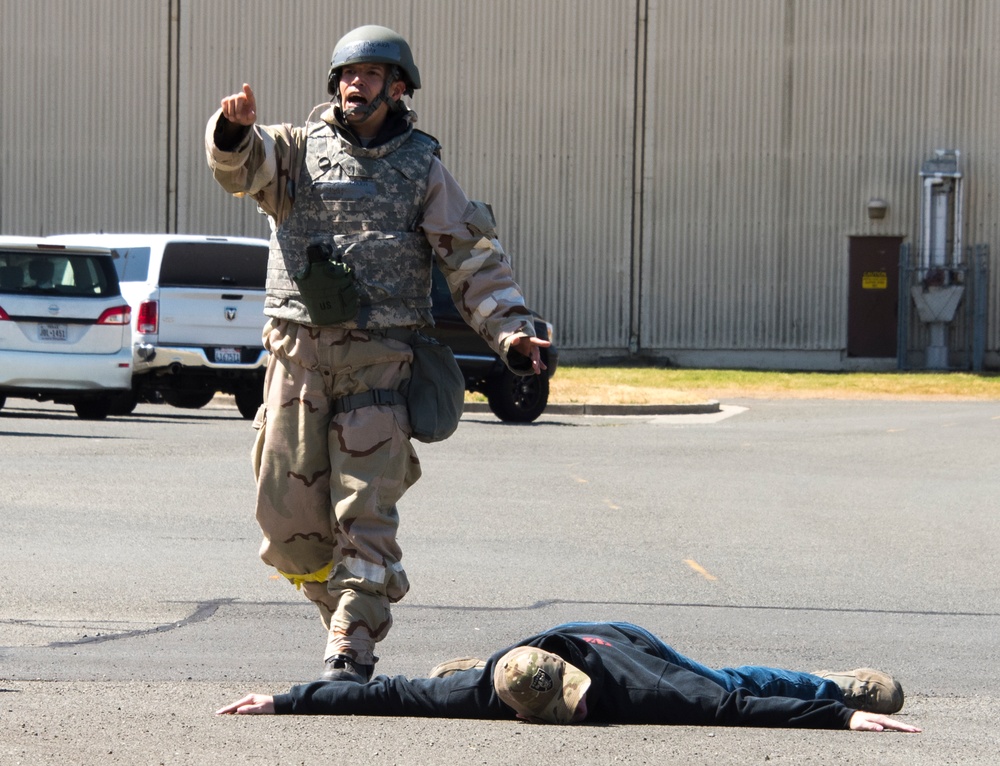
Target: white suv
<point x="64" y="326"/>
<point x="198" y="310"/>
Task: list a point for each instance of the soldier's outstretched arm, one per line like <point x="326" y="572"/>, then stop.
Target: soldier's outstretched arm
<point x="248" y="159"/>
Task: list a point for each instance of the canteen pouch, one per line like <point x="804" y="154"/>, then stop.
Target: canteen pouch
<point x="327" y="287"/>
<point x="435" y="393"/>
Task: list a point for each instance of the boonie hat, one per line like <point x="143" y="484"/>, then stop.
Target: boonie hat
<point x="540" y="685"/>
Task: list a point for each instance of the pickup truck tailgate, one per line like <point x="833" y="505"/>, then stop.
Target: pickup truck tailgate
<point x="209" y="317"/>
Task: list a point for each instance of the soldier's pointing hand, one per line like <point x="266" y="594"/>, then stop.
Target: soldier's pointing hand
<point x="240" y="108"/>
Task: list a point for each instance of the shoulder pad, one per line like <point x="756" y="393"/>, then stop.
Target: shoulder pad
<point x="429" y="139"/>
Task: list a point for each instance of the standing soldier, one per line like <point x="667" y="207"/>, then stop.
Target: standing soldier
<point x="359" y="205"/>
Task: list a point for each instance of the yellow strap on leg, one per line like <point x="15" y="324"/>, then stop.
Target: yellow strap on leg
<point x="320" y="575"/>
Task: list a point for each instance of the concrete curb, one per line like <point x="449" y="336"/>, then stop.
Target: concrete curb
<point x="223" y="401"/>
<point x="702" y="408"/>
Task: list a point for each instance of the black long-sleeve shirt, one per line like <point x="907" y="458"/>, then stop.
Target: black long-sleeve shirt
<point x="630" y="683"/>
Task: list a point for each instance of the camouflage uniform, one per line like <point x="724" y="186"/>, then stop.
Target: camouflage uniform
<point x="327" y="482"/>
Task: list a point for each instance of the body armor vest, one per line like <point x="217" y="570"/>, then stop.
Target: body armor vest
<point x="364" y="205"/>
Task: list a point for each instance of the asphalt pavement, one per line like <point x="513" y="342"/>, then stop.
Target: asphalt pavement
<point x="805" y="534"/>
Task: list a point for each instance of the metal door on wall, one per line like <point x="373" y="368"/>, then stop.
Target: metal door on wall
<point x="872" y="296"/>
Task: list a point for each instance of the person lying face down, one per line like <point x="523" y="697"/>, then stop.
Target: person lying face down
<point x="609" y="672"/>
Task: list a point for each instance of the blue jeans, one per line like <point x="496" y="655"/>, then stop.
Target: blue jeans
<point x="755" y="679"/>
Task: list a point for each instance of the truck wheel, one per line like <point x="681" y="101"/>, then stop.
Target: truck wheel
<point x="516" y="398"/>
<point x="188" y="400"/>
<point x="124" y="403"/>
<point x="93" y="409"/>
<point x="248" y="401"/>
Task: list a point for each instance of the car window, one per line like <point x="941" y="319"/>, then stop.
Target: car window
<point x="213" y="264"/>
<point x="132" y="263"/>
<point x="71" y="274"/>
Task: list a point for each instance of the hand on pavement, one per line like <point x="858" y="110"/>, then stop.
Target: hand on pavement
<point x="252" y="704"/>
<point x="862" y="721"/>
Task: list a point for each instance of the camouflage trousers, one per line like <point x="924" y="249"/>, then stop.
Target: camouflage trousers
<point x="327" y="484"/>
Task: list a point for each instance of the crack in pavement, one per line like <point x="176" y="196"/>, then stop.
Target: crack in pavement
<point x="202" y="612"/>
<point x="206" y="610"/>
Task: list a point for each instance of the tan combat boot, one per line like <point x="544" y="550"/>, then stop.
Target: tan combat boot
<point x="451" y="667"/>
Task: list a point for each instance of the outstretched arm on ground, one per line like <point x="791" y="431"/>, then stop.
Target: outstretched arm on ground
<point x="252" y="704"/>
<point x="862" y="721"/>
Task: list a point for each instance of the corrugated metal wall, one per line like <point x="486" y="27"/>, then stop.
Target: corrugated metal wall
<point x="83" y="115"/>
<point x="763" y="126"/>
<point x="534" y="102"/>
<point x="770" y="125"/>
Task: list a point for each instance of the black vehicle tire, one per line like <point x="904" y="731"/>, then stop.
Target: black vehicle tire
<point x="248" y="401"/>
<point x="124" y="403"/>
<point x="516" y="398"/>
<point x="93" y="409"/>
<point x="187" y="400"/>
<point x="3" y="401"/>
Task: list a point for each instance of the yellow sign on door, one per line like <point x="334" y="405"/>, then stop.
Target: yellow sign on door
<point x="874" y="280"/>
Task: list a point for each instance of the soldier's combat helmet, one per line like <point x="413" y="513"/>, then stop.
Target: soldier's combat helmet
<point x="373" y="44"/>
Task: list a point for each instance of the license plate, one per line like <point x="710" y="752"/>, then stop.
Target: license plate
<point x="227" y="356"/>
<point x="51" y="332"/>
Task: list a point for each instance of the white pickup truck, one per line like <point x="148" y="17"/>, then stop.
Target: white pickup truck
<point x="197" y="315"/>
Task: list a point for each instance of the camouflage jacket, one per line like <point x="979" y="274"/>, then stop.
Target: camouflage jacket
<point x="271" y="161"/>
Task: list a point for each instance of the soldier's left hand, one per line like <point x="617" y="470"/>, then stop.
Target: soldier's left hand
<point x="529" y="347"/>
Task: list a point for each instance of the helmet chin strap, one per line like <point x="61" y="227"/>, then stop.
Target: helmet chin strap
<point x="362" y="113"/>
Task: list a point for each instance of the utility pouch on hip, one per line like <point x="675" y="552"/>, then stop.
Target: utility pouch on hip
<point x="327" y="287"/>
<point x="435" y="392"/>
